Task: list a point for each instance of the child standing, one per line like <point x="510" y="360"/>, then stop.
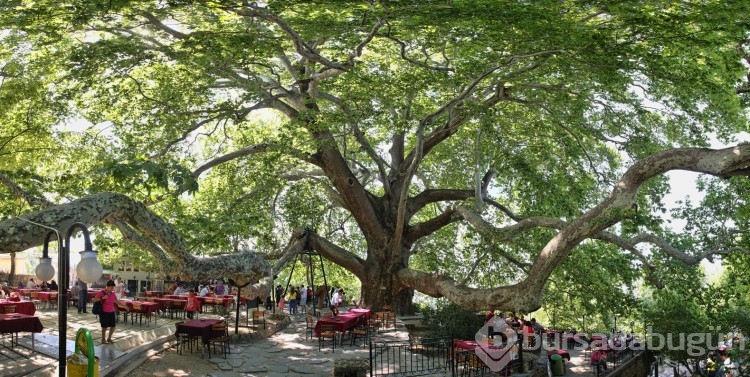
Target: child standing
<point x="281" y="302"/>
<point x="192" y="305"/>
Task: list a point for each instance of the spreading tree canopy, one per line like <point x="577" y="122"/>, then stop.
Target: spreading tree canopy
<point x="466" y="149"/>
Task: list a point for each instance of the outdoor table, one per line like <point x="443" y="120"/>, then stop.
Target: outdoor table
<point x="26" y="292"/>
<point x="341" y="323"/>
<point x="23" y="307"/>
<point x="214" y="301"/>
<point x="470" y="345"/>
<point x="563" y="353"/>
<point x="175" y="297"/>
<point x="147" y="307"/>
<point x="177" y="303"/>
<point x="47" y="296"/>
<point x="577" y="338"/>
<point x="154" y="293"/>
<point x="197" y="327"/>
<point x="91" y="293"/>
<point x="507" y="355"/>
<point x="13" y="323"/>
<point x="366" y="312"/>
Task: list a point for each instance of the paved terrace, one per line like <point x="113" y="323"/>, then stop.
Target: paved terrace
<point x="286" y="353"/>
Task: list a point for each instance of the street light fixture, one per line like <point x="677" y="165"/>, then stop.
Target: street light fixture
<point x="89" y="270"/>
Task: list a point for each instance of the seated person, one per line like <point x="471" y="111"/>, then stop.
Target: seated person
<point x="14" y="296"/>
<point x="53" y="286"/>
<point x="180" y="290"/>
<point x="599" y="360"/>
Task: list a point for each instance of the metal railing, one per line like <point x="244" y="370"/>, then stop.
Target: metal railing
<point x="416" y="357"/>
<point x="428" y="356"/>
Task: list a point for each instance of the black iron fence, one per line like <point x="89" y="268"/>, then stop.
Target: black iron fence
<point x="415" y="357"/>
<point x="429" y="356"/>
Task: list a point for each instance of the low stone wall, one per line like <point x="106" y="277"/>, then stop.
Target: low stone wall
<point x="273" y="326"/>
<point x="351" y="367"/>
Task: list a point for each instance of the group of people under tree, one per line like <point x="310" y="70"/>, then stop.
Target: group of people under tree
<point x="724" y="362"/>
<point x="297" y="296"/>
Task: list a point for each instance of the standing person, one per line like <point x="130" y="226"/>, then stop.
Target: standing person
<point x="293" y="300"/>
<point x="74" y="293"/>
<point x="119" y="288"/>
<point x="281" y="300"/>
<point x="279" y="293"/>
<point x="192" y="305"/>
<point x="83" y="295"/>
<point x="303" y="296"/>
<point x="107" y="318"/>
<point x="338" y="296"/>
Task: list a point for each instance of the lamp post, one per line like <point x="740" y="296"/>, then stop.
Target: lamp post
<point x="89" y="270"/>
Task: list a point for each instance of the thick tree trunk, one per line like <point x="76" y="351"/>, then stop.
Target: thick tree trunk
<point x="380" y="289"/>
<point x="12" y="274"/>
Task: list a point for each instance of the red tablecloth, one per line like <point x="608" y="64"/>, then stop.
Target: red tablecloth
<point x="197" y="327"/>
<point x="485" y="352"/>
<point x="45" y="295"/>
<point x="343" y="321"/>
<point x="91" y="293"/>
<point x="471" y="345"/>
<point x="23" y="307"/>
<point x="565" y="354"/>
<point x="366" y="312"/>
<point x="213" y="301"/>
<point x="146" y="307"/>
<point x="26" y="291"/>
<point x="178" y="303"/>
<point x="13" y="323"/>
<point x="175" y="297"/>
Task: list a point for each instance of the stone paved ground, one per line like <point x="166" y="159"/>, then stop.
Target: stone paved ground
<point x="286" y="353"/>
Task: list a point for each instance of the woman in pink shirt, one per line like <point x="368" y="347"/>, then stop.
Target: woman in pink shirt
<point x="108" y="316"/>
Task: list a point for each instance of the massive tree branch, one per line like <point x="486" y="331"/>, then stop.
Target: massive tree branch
<point x="430" y="226"/>
<point x="18" y="235"/>
<point x="337" y="254"/>
<point x="618" y="205"/>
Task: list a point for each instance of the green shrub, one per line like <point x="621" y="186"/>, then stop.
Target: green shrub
<point x="450" y="320"/>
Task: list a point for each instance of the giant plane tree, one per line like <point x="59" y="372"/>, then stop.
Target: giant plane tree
<point x="472" y="150"/>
